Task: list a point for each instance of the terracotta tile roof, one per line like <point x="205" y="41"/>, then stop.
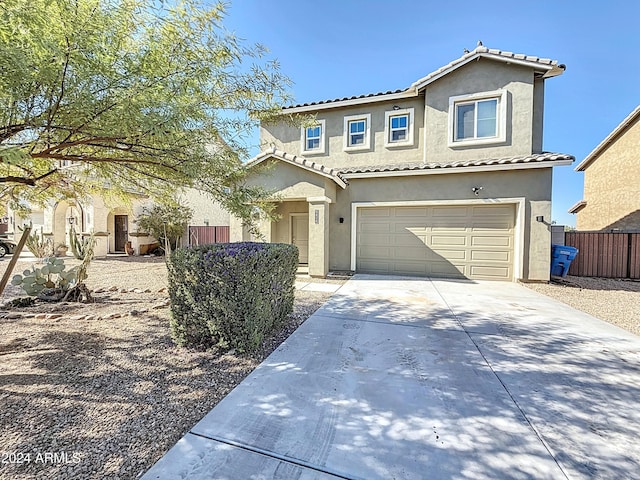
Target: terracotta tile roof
<point x="303" y="162"/>
<point x="550" y="67"/>
<point x="355" y="97"/>
<point x="546" y="157"/>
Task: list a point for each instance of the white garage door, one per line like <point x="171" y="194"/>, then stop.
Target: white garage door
<point x="472" y="241"/>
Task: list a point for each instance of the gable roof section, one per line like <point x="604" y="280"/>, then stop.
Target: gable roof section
<point x="538" y="160"/>
<point x="602" y="146"/>
<point x="297" y="161"/>
<point x="547" y="67"/>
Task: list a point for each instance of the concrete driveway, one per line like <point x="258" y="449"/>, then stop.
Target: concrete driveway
<point x="407" y="378"/>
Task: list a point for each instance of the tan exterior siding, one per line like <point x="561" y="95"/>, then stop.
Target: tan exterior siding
<point x="287" y="137"/>
<point x="476" y="77"/>
<point x="611" y="186"/>
<point x="532" y="185"/>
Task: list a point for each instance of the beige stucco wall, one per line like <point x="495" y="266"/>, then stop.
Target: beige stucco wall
<point x="611" y="186"/>
<point x="533" y="185"/>
<point x="287" y="137"/>
<point x="205" y="210"/>
<point x="481" y="76"/>
<point x="281" y="229"/>
<point x="525" y="108"/>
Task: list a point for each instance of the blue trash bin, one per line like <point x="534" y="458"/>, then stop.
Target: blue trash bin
<point x="561" y="258"/>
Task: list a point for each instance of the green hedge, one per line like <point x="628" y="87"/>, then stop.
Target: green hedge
<point x="231" y="294"/>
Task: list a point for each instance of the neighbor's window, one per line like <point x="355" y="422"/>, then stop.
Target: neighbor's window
<point x="399" y="127"/>
<point x="357" y="132"/>
<point x="478" y="118"/>
<point x="313" y="138"/>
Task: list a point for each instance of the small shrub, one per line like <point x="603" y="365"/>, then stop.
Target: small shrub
<point x="232" y="294"/>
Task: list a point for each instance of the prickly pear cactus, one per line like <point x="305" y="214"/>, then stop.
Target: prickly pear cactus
<point x="51" y="275"/>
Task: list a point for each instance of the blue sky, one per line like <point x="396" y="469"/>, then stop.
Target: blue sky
<point x="334" y="49"/>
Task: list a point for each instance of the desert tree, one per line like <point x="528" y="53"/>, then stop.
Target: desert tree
<point x="115" y="96"/>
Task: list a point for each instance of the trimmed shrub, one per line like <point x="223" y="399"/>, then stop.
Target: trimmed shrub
<point x="231" y="294"/>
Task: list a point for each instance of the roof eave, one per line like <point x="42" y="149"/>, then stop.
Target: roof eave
<point x="387" y="97"/>
<point x="595" y="153"/>
<point x="291" y="160"/>
<point x="453" y="170"/>
<point x="550" y="70"/>
<point x="578" y="206"/>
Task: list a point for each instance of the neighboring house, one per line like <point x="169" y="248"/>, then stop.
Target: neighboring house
<point x="444" y="178"/>
<point x="611" y="187"/>
<point x="112" y="223"/>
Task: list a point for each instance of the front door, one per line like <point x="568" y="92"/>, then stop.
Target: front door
<point x="300" y="236"/>
<point x="121" y="232"/>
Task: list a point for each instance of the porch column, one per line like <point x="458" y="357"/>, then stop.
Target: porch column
<point x="318" y="236"/>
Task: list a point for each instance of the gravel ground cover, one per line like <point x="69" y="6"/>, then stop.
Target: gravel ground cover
<point x="614" y="301"/>
<point x="93" y="391"/>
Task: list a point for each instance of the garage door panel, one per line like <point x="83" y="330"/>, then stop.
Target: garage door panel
<point x="450" y="211"/>
<point x="449" y="254"/>
<point x="491" y="256"/>
<point x="375" y="212"/>
<point x="442" y="241"/>
<point x="413" y="268"/>
<point x="445" y="228"/>
<point x="491" y="227"/>
<point x="490" y="240"/>
<point x="409" y="241"/>
<point x="375" y="227"/>
<point x="410" y="212"/>
<point x="485" y="271"/>
<point x="448" y="240"/>
<point x="447" y="269"/>
<point x="368" y="251"/>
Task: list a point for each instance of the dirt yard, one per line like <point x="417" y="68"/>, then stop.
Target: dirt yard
<point x="96" y="391"/>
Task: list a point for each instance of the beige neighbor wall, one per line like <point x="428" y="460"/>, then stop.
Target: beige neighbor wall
<point x="484" y="75"/>
<point x="534" y="185"/>
<point x="612" y="186"/>
<point x="205" y="210"/>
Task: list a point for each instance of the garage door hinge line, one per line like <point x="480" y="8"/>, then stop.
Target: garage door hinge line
<point x="277" y="456"/>
<point x="513" y="399"/>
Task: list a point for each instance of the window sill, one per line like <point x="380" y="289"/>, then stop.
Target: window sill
<point x="477" y="142"/>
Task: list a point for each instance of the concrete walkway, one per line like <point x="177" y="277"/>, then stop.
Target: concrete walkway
<point x="405" y="378"/>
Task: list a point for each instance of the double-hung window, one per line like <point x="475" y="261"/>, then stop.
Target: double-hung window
<point x="399" y="127"/>
<point x="357" y="130"/>
<point x="479" y="118"/>
<point x="312" y="138"/>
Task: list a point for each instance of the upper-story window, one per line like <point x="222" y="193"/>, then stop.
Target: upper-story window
<point x="399" y="128"/>
<point x="312" y="138"/>
<point x="357" y="134"/>
<point x="478" y="118"/>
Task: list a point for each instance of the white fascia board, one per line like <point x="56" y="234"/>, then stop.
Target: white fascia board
<point x="441" y="171"/>
<point x="409" y="93"/>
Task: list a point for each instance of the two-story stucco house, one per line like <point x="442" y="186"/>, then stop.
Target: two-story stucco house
<point x="445" y="178"/>
<point x="611" y="188"/>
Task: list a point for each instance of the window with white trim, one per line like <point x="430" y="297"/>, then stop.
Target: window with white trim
<point x="357" y="129"/>
<point x="478" y="118"/>
<point x="399" y="128"/>
<point x="312" y="138"/>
